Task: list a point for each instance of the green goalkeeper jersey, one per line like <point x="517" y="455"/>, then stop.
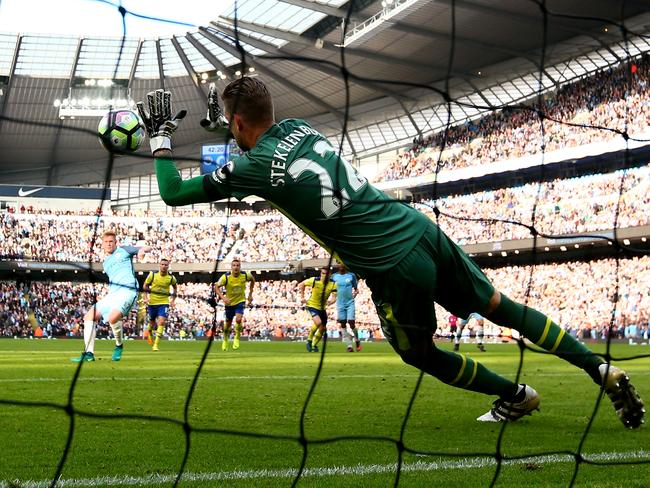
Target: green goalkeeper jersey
<point x="297" y="170"/>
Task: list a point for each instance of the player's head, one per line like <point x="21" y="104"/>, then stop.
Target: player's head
<point x="235" y="266"/>
<point x="109" y="242"/>
<point x="324" y="273"/>
<point x="164" y="265"/>
<point x="341" y="267"/>
<point x="249" y="109"/>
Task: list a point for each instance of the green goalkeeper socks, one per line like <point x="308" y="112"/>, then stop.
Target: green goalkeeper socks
<point x="541" y="330"/>
<point x="463" y="372"/>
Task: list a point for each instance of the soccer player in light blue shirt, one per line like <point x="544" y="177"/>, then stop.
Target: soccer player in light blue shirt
<point x="346" y="284"/>
<point x="122" y="295"/>
<point x="479" y="329"/>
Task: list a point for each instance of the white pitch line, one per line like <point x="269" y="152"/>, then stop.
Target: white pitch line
<point x="358" y="470"/>
<point x="324" y="376"/>
<point x="203" y="378"/>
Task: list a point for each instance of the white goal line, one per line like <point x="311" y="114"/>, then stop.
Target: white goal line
<point x="205" y="377"/>
<point x="358" y="470"/>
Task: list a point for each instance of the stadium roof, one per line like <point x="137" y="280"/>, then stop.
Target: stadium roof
<point x="294" y="45"/>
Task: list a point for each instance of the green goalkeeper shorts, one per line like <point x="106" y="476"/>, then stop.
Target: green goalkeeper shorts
<point x="436" y="270"/>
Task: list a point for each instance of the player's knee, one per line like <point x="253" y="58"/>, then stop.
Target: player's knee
<point x="92" y="314"/>
<point x="416" y="355"/>
<point x="412" y="358"/>
<point x="114" y="317"/>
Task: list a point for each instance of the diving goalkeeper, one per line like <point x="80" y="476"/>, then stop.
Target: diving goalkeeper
<point x="407" y="261"/>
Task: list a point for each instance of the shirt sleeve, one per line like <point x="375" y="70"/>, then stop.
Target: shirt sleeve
<point x="149" y="279"/>
<point x="174" y="281"/>
<point x="239" y="178"/>
<point x="222" y="280"/>
<point x="355" y="281"/>
<point x="178" y="192"/>
<point x="309" y="282"/>
<point x="131" y="250"/>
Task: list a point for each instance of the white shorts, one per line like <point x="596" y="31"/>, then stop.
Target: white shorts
<point x="122" y="300"/>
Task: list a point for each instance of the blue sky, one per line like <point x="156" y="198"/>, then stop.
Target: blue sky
<point x="101" y="17"/>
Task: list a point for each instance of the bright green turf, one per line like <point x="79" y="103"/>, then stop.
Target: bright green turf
<point x="262" y="388"/>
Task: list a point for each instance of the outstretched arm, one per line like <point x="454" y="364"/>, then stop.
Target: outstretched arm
<point x="142" y="251"/>
<point x="301" y="289"/>
<point x="160" y="126"/>
<point x="173" y="189"/>
<point x="251" y="287"/>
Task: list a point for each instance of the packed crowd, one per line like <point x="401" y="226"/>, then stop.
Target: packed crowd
<point x="117" y="212"/>
<point x="561" y="207"/>
<point x="59" y="308"/>
<point x="578" y="295"/>
<point x="74" y="238"/>
<point x="616" y="99"/>
<point x="570" y="206"/>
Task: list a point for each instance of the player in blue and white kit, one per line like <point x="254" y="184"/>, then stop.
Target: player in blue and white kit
<point x="347" y="289"/>
<point x="479" y="329"/>
<point x="122" y="295"/>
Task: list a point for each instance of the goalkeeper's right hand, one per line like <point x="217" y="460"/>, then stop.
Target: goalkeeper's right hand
<point x="158" y="121"/>
<point x="215" y="121"/>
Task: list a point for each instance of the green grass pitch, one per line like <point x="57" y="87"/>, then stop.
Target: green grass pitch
<point x="261" y="389"/>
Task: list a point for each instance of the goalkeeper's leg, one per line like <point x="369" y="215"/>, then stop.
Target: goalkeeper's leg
<point x="541" y="330"/>
<point x="409" y="325"/>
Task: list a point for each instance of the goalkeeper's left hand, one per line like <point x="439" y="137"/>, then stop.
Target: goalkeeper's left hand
<point x="158" y="121"/>
<point x="215" y="121"/>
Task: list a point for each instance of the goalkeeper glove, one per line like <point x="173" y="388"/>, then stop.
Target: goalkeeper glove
<point x="215" y="121"/>
<point x="158" y="121"/>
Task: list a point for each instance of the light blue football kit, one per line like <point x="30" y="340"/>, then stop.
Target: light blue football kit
<point x="122" y="284"/>
<point x="345" y="284"/>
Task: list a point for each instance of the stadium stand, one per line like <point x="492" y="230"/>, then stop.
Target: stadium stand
<point x="605" y="100"/>
<point x="577" y="293"/>
<point x="268" y="236"/>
